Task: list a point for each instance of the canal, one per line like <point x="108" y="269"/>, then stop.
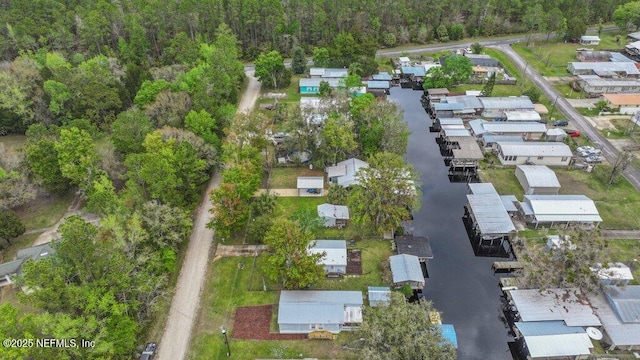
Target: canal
<point x="460" y="285"/>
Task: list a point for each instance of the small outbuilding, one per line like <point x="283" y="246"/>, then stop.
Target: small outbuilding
<point x="334" y="260"/>
<point x="406" y="270"/>
<point x="555" y="135"/>
<point x="589" y="40"/>
<point x="306" y="311"/>
<point x="334" y="215"/>
<point x="537" y="180"/>
<point x="310" y="185"/>
<point x="379" y="295"/>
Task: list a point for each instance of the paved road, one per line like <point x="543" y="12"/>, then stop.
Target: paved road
<point x="608" y="150"/>
<point x="186" y="301"/>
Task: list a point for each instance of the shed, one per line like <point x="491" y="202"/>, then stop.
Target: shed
<point x="379" y="295"/>
<point x="310" y="185"/>
<point x="406" y="270"/>
<point x="554" y="339"/>
<point x="304" y="311"/>
<point x="534" y="153"/>
<point x="615" y="274"/>
<point x="619" y="334"/>
<point x="418" y="246"/>
<point x="568" y="305"/>
<point x="559" y="209"/>
<point x="589" y="40"/>
<point x="555" y="135"/>
<point x="344" y="173"/>
<point x="404" y="61"/>
<point x="537" y="180"/>
<point x="334" y="260"/>
<point x="334" y="215"/>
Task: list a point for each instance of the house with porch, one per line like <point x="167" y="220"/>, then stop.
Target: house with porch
<point x="534" y="153"/>
<point x="305" y="311"/>
<point x="406" y="270"/>
<point x="559" y="210"/>
<point x="10" y="269"/>
<point x="494" y="107"/>
<point x="344" y="173"/>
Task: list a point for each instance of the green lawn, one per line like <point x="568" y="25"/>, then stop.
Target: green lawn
<point x="287" y="177"/>
<point x="567" y="91"/>
<point x="588" y="111"/>
<point x="628" y="252"/>
<point x="44" y="212"/>
<point x="287" y="206"/>
<point x="507" y="64"/>
<point x="292" y="91"/>
<point x="504" y="180"/>
<point x="551" y="58"/>
<point x="623" y="129"/>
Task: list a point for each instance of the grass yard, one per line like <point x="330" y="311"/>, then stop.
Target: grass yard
<point x="504" y="180"/>
<point x="507" y="64"/>
<point x="628" y="252"/>
<point x="44" y="212"/>
<point x="227" y="288"/>
<point x="287" y="206"/>
<point x="551" y="58"/>
<point x="567" y="92"/>
<point x="619" y="205"/>
<point x="292" y="91"/>
<point x="623" y="129"/>
<point x="375" y="265"/>
<point x="287" y="177"/>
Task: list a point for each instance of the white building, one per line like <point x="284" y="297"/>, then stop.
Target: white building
<point x="615" y="274"/>
<point x="559" y="210"/>
<point x="334" y="260"/>
<point x="344" y="172"/>
<point x="534" y="153"/>
<point x="537" y="180"/>
<point x="589" y="40"/>
<point x="334" y="215"/>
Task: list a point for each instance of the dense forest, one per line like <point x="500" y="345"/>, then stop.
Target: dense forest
<point x="167" y="32"/>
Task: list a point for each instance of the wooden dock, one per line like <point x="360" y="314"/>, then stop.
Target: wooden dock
<point x="506" y="266"/>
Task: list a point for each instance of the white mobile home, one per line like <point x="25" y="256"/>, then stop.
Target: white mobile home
<point x="534" y="153"/>
<point x="559" y="210"/>
<point x="496" y="106"/>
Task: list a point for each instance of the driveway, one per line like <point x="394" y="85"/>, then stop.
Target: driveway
<point x="186" y="300"/>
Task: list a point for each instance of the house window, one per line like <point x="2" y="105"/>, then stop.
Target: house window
<point x="316" y="326"/>
<point x="540" y="157"/>
<point x="564" y="158"/>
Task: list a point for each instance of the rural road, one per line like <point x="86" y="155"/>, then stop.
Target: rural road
<point x="186" y="300"/>
<point x="608" y="150"/>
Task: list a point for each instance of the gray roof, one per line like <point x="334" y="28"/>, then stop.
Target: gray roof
<point x="589" y="37"/>
<point x="438" y="91"/>
<point x="591" y="81"/>
<point x="509" y="202"/>
<point x="625" y="301"/>
<point x="381" y="76"/>
<point x="469" y="148"/>
<point x="562" y="208"/>
<point x="620" y="333"/>
<point x="482" y="60"/>
<point x="419" y="246"/>
<point x="321" y="297"/>
<point x="450" y="121"/>
<point x="372" y="84"/>
<point x="310" y="182"/>
<point x="328" y="72"/>
<point x="35" y="252"/>
<point x="554" y="339"/>
<point x="316" y="307"/>
<point x="634" y="35"/>
<point x="555" y="131"/>
<point x="514" y="127"/>
<point x="617" y="67"/>
<point x="506" y="103"/>
<point x="477" y="126"/>
<point x="467" y="101"/>
<point x="379" y="294"/>
<point x="539" y="176"/>
<point x="535" y="149"/>
<point x="333" y="211"/>
<point x="405" y="268"/>
<point x="346" y="171"/>
<point x="454" y="130"/>
<point x="523" y="115"/>
<point x="414" y="70"/>
<point x="10" y="268"/>
<point x="569" y="305"/>
<point x="488" y="210"/>
<point x="335" y="251"/>
<point x="316" y="82"/>
<point x="442" y="106"/>
<point x="493" y="138"/>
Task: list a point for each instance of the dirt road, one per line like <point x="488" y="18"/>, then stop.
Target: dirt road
<point x="186" y="301"/>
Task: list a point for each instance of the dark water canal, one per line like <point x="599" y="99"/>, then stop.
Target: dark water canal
<point x="460" y="285"/>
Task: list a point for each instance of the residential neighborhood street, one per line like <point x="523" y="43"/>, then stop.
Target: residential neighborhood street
<point x="186" y="301"/>
<point x="599" y="141"/>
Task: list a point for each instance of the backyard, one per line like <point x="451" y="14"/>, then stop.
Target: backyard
<point x="239" y="281"/>
<point x="287" y="177"/>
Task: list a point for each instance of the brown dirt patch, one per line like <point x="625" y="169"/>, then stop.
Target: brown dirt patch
<point x="252" y="323"/>
<point x="354" y="262"/>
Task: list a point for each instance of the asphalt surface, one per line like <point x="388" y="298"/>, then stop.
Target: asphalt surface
<point x="186" y="300"/>
<point x="563" y="106"/>
<point x="460" y="285"/>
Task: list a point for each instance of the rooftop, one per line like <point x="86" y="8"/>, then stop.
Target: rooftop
<point x="569" y="305"/>
<point x="333" y="211"/>
<point x="534" y="149"/>
<point x="381" y="76"/>
<point x="443" y="106"/>
<point x="419" y="246"/>
<point x="524" y="115"/>
<point x="379" y="294"/>
<point x="506" y="103"/>
<point x="335" y="251"/>
<point x="539" y="176"/>
<point x="310" y="182"/>
<point x="414" y="70"/>
<point x="373" y="84"/>
<point x="548" y="208"/>
<point x="316" y="82"/>
<point x="623" y="99"/>
<point x="405" y="268"/>
<point x="467" y="101"/>
<point x="450" y="121"/>
<point x="618" y="67"/>
<point x="625" y="300"/>
<point x="346" y="171"/>
<point x="514" y="127"/>
<point x="488" y="210"/>
<point x="597" y="81"/>
<point x="615" y="271"/>
<point x="469" y="148"/>
<point x="317" y="307"/>
<point x="554" y="339"/>
<point x="620" y="333"/>
<point x="438" y="91"/>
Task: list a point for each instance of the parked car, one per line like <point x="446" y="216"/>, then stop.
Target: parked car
<point x="561" y="123"/>
<point x="572" y="133"/>
<point x="149" y="351"/>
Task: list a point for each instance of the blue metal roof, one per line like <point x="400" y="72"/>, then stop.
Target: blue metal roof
<point x="414" y="70"/>
<point x="449" y="334"/>
<point x="382" y="76"/>
<point x="377" y="84"/>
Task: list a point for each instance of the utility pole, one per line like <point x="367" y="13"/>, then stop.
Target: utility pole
<point x="226" y="340"/>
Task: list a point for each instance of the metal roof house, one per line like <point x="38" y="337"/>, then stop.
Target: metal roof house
<point x="312" y="86"/>
<point x="310" y="185"/>
<point x="378" y="88"/>
<point x="491" y="140"/>
<point x="471" y="105"/>
<point x="589" y="40"/>
<point x="624" y="69"/>
<point x="487" y="221"/>
<point x="435" y="95"/>
<point x="334" y="260"/>
<point x="304" y="311"/>
<point x="534" y="153"/>
<point x="14" y="267"/>
<point x="495" y="106"/>
<point x="334" y="215"/>
<point x="528" y="130"/>
<point x="553" y="340"/>
<point x="439" y="122"/>
<point x="382" y="76"/>
<point x="568" y="305"/>
<point x="618" y="333"/>
<point x="378" y="295"/>
<point x="537" y="180"/>
<point x="559" y="209"/>
<point x="460" y="150"/>
<point x="344" y="173"/>
<point x="328" y="73"/>
<point x="595" y="86"/>
<point x="482" y="60"/>
<point x="404" y="61"/>
<point x="524" y="115"/>
<point x="406" y="270"/>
